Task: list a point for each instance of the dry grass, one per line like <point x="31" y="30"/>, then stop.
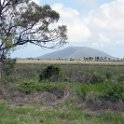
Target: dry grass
<point x="68" y="62"/>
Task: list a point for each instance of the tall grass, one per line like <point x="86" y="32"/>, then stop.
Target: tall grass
<point x="34" y="115"/>
<point x="69" y="72"/>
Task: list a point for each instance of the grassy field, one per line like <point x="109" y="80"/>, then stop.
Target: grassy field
<point x="72" y="72"/>
<point x="83" y="94"/>
<point x="35" y="115"/>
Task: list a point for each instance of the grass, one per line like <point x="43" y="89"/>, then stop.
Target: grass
<point x="35" y="115"/>
<point x="69" y="72"/>
<point x="67" y="112"/>
<point x="30" y="86"/>
<point x="103" y="99"/>
<point x="68" y="62"/>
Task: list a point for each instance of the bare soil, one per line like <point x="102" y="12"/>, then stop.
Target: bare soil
<point x="49" y="98"/>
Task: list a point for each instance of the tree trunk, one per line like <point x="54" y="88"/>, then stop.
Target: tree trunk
<point x="1" y="71"/>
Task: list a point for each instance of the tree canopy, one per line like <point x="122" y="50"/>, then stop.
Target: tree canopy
<point x="23" y="21"/>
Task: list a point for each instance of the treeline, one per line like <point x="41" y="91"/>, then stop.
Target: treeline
<point x="82" y="59"/>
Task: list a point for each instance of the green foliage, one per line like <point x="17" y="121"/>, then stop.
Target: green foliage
<point x="26" y="16"/>
<point x="7" y="70"/>
<point x="80" y="92"/>
<point x="121" y="78"/>
<point x="8" y="66"/>
<point x="106" y="91"/>
<point x="30" y="86"/>
<point x="111" y="118"/>
<point x="94" y="96"/>
<point x="51" y="73"/>
<point x="115" y="93"/>
<point x="94" y="79"/>
<point x="9" y="42"/>
<point x="68" y="73"/>
<point x="108" y="75"/>
<point x="94" y="88"/>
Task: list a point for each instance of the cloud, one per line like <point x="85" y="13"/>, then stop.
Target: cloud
<point x="107" y="24"/>
<point x="77" y="30"/>
<point x="37" y="1"/>
<point x="87" y="1"/>
<point x="89" y="4"/>
<point x="102" y="26"/>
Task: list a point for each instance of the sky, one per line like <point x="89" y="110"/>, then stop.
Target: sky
<point x="97" y="24"/>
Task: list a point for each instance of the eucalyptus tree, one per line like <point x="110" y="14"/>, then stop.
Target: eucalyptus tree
<point x="23" y="22"/>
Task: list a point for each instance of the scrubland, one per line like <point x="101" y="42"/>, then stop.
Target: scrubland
<point x="80" y="94"/>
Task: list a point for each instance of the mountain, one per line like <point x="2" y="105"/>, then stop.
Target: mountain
<point x="75" y="53"/>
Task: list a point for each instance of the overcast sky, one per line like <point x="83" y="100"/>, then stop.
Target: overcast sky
<point x="91" y="23"/>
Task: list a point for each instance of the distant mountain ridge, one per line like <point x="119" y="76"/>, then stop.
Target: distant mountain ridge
<point x="76" y="53"/>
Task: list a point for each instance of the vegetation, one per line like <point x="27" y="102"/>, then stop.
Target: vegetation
<point x="8" y="66"/>
<point x="82" y="73"/>
<point x="52" y="94"/>
<point x="33" y="115"/>
<point x="84" y="94"/>
<point x="51" y="72"/>
<point x="30" y="86"/>
<point x="22" y="20"/>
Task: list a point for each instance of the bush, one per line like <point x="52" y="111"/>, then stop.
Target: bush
<point x="51" y="73"/>
<point x="115" y="93"/>
<point x="96" y="79"/>
<point x="31" y="86"/>
<point x="7" y="70"/>
<point x="8" y="66"/>
<point x="92" y="99"/>
<point x="28" y="86"/>
<point x="108" y="75"/>
<point x="121" y="78"/>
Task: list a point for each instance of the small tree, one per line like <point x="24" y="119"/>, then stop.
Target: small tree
<point x="23" y="22"/>
<point x="51" y="73"/>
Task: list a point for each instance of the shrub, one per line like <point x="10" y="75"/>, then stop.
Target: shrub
<point x="115" y="93"/>
<point x="96" y="79"/>
<point x="30" y="86"/>
<point x="80" y="93"/>
<point x="51" y="73"/>
<point x="92" y="99"/>
<point x="8" y="66"/>
<point x="121" y="78"/>
<point x="7" y="70"/>
<point x="108" y="75"/>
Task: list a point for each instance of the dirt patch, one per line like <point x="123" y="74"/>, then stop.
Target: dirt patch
<point x="57" y="92"/>
<point x="18" y="98"/>
<point x="54" y="96"/>
<point x="104" y="106"/>
<point x="48" y="99"/>
<point x="102" y="111"/>
<point x="21" y="98"/>
<point x="115" y="106"/>
<point x="4" y="93"/>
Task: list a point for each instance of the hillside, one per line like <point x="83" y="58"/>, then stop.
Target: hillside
<point x="75" y="53"/>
